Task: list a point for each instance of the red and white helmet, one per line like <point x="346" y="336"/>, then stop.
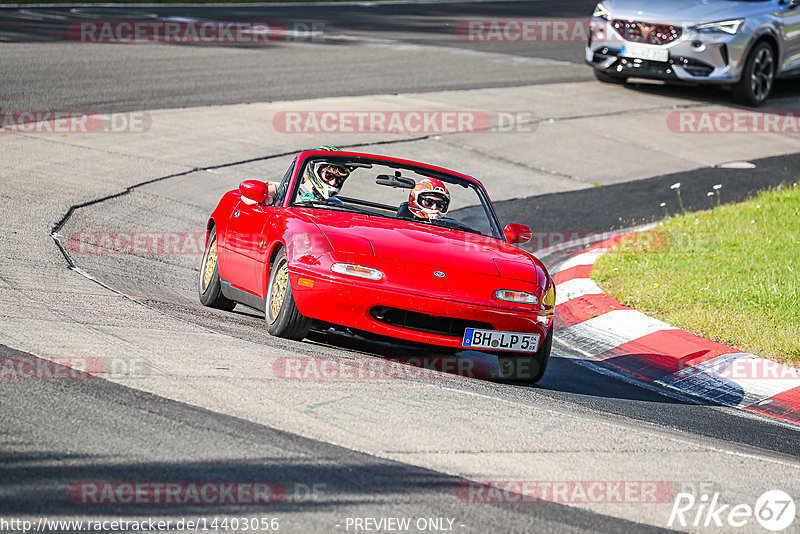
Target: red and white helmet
<point x="429" y="199"/>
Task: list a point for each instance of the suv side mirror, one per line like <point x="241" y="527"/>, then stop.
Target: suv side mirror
<point x="517" y="233"/>
<point x="253" y="192"/>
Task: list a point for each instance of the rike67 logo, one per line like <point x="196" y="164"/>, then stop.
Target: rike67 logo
<point x="774" y="510"/>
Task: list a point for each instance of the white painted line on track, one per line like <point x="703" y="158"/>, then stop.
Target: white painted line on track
<point x="575" y="288"/>
<point x="612" y="329"/>
<point x="708" y="379"/>
<point x="586" y="258"/>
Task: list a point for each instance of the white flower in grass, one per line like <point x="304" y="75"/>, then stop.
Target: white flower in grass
<point x="710" y="194"/>
<point x="718" y="186"/>
<point x="663" y="204"/>
<point x="676" y="185"/>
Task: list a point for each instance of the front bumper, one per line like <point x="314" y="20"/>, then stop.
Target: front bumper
<point x="351" y="304"/>
<point x="694" y="57"/>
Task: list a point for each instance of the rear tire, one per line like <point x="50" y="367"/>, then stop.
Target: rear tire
<point x="281" y="314"/>
<point x="209" y="286"/>
<point x="525" y="367"/>
<point x="606" y="77"/>
<point x="758" y="76"/>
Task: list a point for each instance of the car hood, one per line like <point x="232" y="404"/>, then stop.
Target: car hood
<point x="424" y="244"/>
<point x="680" y="12"/>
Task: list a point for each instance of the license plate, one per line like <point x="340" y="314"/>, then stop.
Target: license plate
<point x="650" y="53"/>
<point x="494" y="339"/>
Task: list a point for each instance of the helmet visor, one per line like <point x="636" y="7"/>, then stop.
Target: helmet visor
<point x="334" y="175"/>
<point x="431" y="201"/>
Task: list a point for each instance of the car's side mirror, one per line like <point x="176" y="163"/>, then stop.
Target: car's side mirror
<point x="253" y="192"/>
<point x="517" y="233"/>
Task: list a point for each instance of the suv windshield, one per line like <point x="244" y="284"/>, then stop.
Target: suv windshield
<point x="381" y="189"/>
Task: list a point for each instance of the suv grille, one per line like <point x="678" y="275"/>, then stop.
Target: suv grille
<point x="645" y="32"/>
<point x="447" y="326"/>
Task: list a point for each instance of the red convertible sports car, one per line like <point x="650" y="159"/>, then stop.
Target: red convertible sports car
<point x="384" y="246"/>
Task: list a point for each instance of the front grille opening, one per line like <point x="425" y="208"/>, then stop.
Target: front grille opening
<point x="422" y="322"/>
<point x="646" y="32"/>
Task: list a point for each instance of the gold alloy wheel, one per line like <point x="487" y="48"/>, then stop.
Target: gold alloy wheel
<point x="279" y="284"/>
<point x="211" y="263"/>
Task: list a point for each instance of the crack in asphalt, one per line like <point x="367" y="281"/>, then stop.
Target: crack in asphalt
<point x="54" y="232"/>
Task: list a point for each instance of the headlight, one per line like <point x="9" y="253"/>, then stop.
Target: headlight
<point x="359" y="271"/>
<point x="724" y="26"/>
<point x="519" y="297"/>
<point x="600" y="12"/>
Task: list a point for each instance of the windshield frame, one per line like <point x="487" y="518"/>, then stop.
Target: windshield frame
<point x="420" y="169"/>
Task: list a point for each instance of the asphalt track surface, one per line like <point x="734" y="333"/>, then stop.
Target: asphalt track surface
<point x="359" y="50"/>
<point x="397" y="59"/>
<point x="56" y="432"/>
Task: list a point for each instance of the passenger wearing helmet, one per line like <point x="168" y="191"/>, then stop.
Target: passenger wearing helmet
<point x="429" y="199"/>
<point x="322" y="181"/>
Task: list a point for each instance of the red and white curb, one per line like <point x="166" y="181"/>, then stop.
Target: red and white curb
<point x="653" y="351"/>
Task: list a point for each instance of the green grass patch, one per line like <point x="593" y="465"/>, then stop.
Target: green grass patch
<point x="731" y="274"/>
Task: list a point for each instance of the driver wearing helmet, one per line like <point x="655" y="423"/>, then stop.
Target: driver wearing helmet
<point x="322" y="181"/>
<point x="429" y="199"/>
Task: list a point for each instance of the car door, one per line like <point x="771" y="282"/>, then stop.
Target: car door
<point x="272" y="231"/>
<point x="243" y="239"/>
<point x="789" y="19"/>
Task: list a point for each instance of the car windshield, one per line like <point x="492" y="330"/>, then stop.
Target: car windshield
<point x="381" y="189"/>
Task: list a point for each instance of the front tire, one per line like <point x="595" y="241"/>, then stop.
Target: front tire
<point x="281" y="314"/>
<point x="209" y="286"/>
<point x="758" y="76"/>
<point x="525" y="367"/>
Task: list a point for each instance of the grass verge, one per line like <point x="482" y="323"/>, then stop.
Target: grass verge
<point x="731" y="274"/>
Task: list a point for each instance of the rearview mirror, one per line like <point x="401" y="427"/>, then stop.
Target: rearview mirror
<point x="396" y="181"/>
<point x="253" y="192"/>
<point x="517" y="233"/>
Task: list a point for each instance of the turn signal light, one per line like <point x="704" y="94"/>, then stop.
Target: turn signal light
<point x="520" y="297"/>
<point x="359" y="271"/>
<point x="549" y="299"/>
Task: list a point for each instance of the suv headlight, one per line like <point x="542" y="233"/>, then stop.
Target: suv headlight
<point x="600" y="12"/>
<point x="723" y="26"/>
